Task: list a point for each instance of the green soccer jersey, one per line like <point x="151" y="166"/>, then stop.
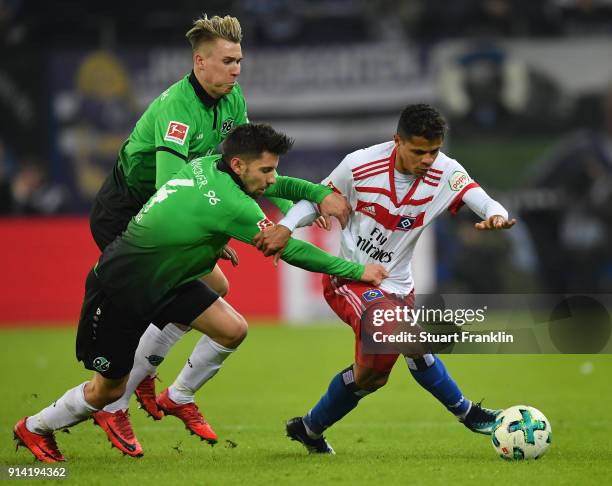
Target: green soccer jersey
<point x="179" y="234"/>
<point x="183" y="123"/>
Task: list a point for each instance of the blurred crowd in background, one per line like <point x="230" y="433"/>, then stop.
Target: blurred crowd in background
<point x="526" y="87"/>
<point x="300" y="22"/>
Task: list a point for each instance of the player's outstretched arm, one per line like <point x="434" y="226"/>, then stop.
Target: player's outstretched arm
<point x="297" y="189"/>
<point x="273" y="240"/>
<point x="330" y="203"/>
<point x="309" y="257"/>
<point x="250" y="220"/>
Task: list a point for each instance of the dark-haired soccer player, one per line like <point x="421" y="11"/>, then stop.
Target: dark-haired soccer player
<point x="186" y="121"/>
<point x="151" y="274"/>
<point x="396" y="189"/>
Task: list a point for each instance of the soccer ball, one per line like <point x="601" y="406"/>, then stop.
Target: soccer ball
<point x="521" y="432"/>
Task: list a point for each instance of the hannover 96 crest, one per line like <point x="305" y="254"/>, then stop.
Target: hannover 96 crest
<point x="227" y="125"/>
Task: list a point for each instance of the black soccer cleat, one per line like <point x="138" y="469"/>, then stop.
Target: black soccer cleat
<point x="480" y="420"/>
<point x="297" y="431"/>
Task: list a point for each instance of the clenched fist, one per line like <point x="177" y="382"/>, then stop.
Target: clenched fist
<point x="374" y="274"/>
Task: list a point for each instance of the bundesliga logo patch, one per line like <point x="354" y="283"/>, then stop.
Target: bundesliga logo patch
<point x="372" y="294"/>
<point x="177" y="132"/>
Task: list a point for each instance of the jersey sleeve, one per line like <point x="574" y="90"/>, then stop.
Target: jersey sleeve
<point x="302" y="214"/>
<point x="283" y="204"/>
<point x="483" y="205"/>
<point x="457" y="182"/>
<point x="166" y="165"/>
<point x="341" y="180"/>
<point x="297" y="189"/>
<point x="173" y="131"/>
<point x="251" y="220"/>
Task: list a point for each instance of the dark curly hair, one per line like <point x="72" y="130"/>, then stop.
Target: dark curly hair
<point x="421" y="120"/>
<point x="250" y="140"/>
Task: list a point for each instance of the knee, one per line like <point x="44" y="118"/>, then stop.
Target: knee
<point x="372" y="382"/>
<point x="235" y="332"/>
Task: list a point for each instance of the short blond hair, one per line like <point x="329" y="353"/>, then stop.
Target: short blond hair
<point x="207" y="29"/>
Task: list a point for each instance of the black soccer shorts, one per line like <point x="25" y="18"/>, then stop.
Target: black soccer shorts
<point x="109" y="333"/>
<point x="112" y="209"/>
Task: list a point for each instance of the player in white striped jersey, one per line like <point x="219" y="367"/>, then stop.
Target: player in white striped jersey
<point x="395" y="189"/>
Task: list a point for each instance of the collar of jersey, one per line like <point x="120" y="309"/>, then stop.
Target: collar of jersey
<point x="223" y="166"/>
<point x="201" y="93"/>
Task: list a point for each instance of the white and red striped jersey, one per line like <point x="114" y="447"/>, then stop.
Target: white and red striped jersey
<point x="391" y="209"/>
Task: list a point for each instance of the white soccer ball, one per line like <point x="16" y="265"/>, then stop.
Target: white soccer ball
<point x="521" y="432"/>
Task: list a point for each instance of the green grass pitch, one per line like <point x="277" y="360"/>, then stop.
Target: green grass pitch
<point x="399" y="435"/>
